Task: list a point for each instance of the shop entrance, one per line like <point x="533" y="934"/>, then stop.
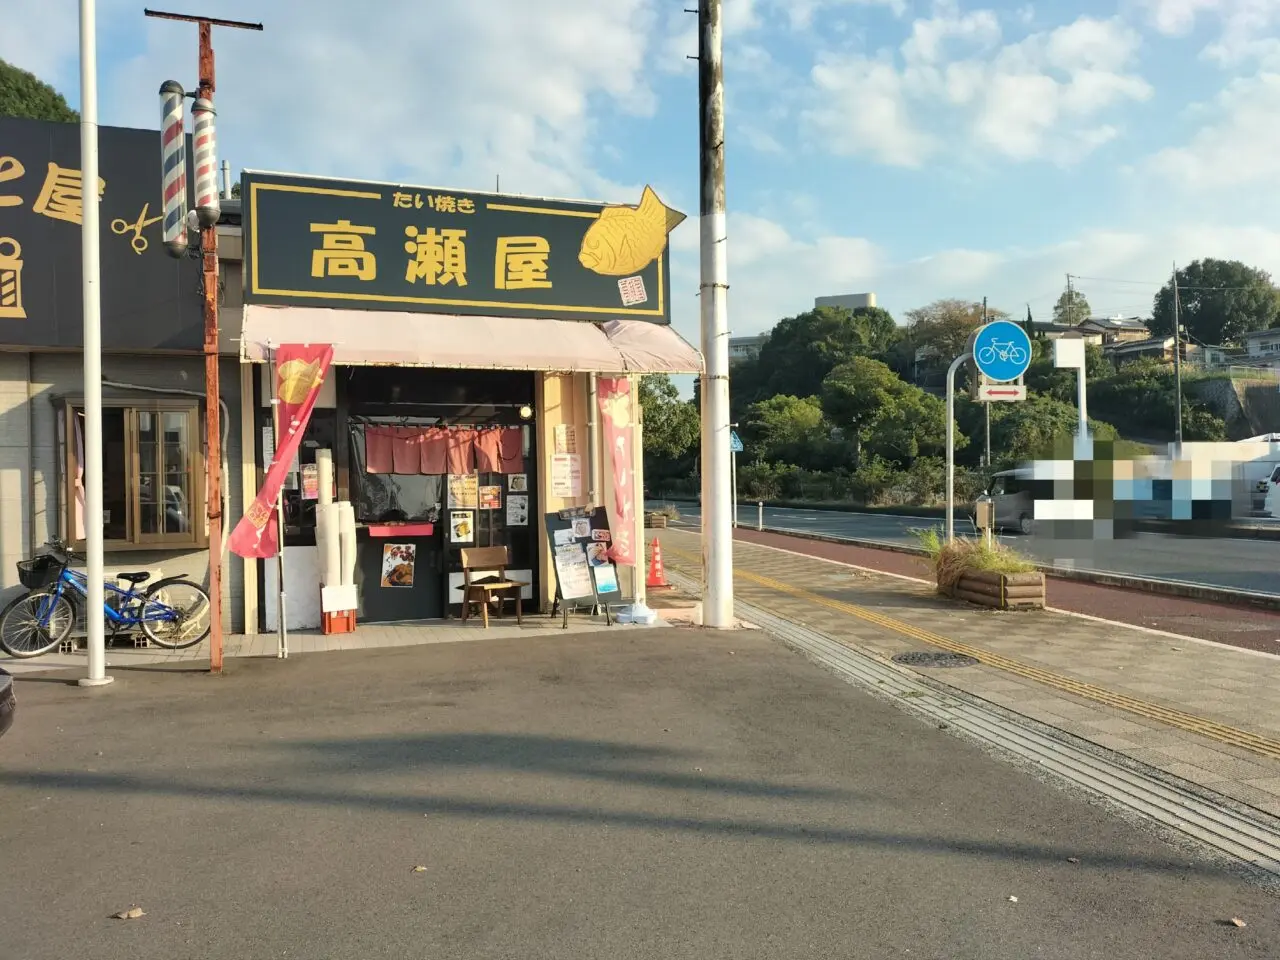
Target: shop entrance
<point x="437" y="461"/>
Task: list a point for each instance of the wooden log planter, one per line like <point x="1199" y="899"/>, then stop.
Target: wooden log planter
<point x="655" y="521"/>
<point x="1002" y="591"/>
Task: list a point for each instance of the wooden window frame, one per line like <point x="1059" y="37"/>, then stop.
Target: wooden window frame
<point x="198" y="537"/>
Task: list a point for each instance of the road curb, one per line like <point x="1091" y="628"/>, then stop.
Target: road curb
<point x="1168" y="588"/>
<point x="1188" y="528"/>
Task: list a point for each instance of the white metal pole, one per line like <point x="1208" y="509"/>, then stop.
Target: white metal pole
<point x="717" y="533"/>
<point x="282" y="630"/>
<point x="760" y="515"/>
<point x="90" y="269"/>
<point x="637" y="474"/>
<point x="951" y="443"/>
<point x="1082" y="385"/>
<point x="734" y="472"/>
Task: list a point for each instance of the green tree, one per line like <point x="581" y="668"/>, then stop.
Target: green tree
<point x="883" y="416"/>
<point x="803" y="349"/>
<point x="945" y="325"/>
<point x="1218" y="300"/>
<point x="1042" y="377"/>
<point x="22" y="94"/>
<point x="786" y="429"/>
<point x="1072" y="308"/>
<point x="671" y="426"/>
<point x="235" y="190"/>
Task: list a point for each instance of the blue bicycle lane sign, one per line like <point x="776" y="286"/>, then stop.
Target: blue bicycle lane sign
<point x="1001" y="351"/>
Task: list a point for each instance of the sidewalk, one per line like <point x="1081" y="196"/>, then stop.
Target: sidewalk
<point x="366" y="637"/>
<point x="1204" y="713"/>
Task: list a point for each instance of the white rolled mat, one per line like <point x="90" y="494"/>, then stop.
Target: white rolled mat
<point x="347" y="531"/>
<point x="328" y="542"/>
<point x="324" y="473"/>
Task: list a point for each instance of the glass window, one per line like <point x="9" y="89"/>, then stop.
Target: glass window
<point x="150" y="474"/>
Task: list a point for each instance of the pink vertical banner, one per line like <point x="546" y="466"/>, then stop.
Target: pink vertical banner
<point x="614" y="397"/>
<point x="300" y="370"/>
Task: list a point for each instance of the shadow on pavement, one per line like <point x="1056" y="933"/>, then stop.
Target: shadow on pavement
<point x="357" y="760"/>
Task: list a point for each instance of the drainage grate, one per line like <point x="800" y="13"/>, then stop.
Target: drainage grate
<point x="929" y="658"/>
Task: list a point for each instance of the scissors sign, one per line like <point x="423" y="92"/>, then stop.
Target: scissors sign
<point x="139" y="242"/>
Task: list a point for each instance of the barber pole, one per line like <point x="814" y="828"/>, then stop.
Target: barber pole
<point x="173" y="164"/>
<point x="206" y="161"/>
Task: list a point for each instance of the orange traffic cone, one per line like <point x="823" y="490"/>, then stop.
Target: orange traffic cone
<point x="657" y="574"/>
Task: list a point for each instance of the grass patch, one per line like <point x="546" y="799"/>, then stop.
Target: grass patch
<point x="953" y="560"/>
<point x="668" y="510"/>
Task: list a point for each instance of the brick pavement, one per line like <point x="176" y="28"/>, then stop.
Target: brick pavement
<point x="1238" y="626"/>
<point x="1205" y="713"/>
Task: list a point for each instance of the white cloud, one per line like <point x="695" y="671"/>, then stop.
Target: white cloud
<point x="1238" y="147"/>
<point x="1040" y="97"/>
<point x="862" y="109"/>
<point x="455" y="93"/>
<point x="801" y="14"/>
<point x="773" y="273"/>
<point x="1246" y="28"/>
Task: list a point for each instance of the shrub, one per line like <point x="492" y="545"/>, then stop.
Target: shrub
<point x="953" y="560"/>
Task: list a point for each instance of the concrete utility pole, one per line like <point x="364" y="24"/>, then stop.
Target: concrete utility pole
<point x="1177" y="360"/>
<point x="717" y="530"/>
<point x="205" y="156"/>
<point x="90" y="281"/>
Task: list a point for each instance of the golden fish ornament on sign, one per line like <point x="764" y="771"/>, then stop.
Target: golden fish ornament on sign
<point x="624" y="240"/>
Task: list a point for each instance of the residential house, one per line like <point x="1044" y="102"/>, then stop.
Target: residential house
<point x="1116" y="329"/>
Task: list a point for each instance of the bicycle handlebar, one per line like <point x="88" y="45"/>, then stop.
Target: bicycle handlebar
<point x="60" y="549"/>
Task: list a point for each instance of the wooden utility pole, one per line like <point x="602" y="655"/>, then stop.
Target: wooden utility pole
<point x="213" y="394"/>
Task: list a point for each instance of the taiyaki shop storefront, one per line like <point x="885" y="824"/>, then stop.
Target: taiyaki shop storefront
<point x="485" y="350"/>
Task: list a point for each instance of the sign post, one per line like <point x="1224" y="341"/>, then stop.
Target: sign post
<point x="1001" y="351"/>
<point x="735" y="448"/>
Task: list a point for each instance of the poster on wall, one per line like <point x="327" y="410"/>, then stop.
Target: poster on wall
<point x="310" y="481"/>
<point x="606" y="577"/>
<point x="398" y="561"/>
<point x="566" y="438"/>
<point x="464" y="491"/>
<point x="517" y="511"/>
<point x="462" y="527"/>
<point x="566" y="475"/>
<point x="491" y="498"/>
<point x="573" y="572"/>
<point x="518" y="482"/>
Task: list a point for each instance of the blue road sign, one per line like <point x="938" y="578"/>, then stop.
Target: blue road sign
<point x="1001" y="351"/>
<point x="735" y="442"/>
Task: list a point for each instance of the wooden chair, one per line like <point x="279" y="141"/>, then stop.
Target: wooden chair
<point x="480" y="592"/>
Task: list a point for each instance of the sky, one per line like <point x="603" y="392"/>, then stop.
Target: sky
<point x="919" y="149"/>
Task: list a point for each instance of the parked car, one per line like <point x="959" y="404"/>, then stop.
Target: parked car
<point x="1014" y="506"/>
<point x="8" y="702"/>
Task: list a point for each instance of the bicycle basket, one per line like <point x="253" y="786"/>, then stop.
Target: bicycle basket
<point x="39" y="572"/>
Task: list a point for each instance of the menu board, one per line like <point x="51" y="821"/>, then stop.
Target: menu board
<point x="580" y="539"/>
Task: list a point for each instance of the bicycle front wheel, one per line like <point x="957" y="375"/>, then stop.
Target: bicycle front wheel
<point x="35" y="624"/>
<point x="176" y="614"/>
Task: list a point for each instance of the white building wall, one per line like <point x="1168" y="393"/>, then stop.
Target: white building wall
<point x="30" y="494"/>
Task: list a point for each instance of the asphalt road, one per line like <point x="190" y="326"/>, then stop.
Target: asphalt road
<point x="1237" y="564"/>
<point x="627" y="794"/>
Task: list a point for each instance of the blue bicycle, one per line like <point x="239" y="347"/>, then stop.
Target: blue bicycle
<point x="172" y="613"/>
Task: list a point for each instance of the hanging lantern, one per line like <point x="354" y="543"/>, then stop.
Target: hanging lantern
<point x="204" y="144"/>
<point x="173" y="167"/>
